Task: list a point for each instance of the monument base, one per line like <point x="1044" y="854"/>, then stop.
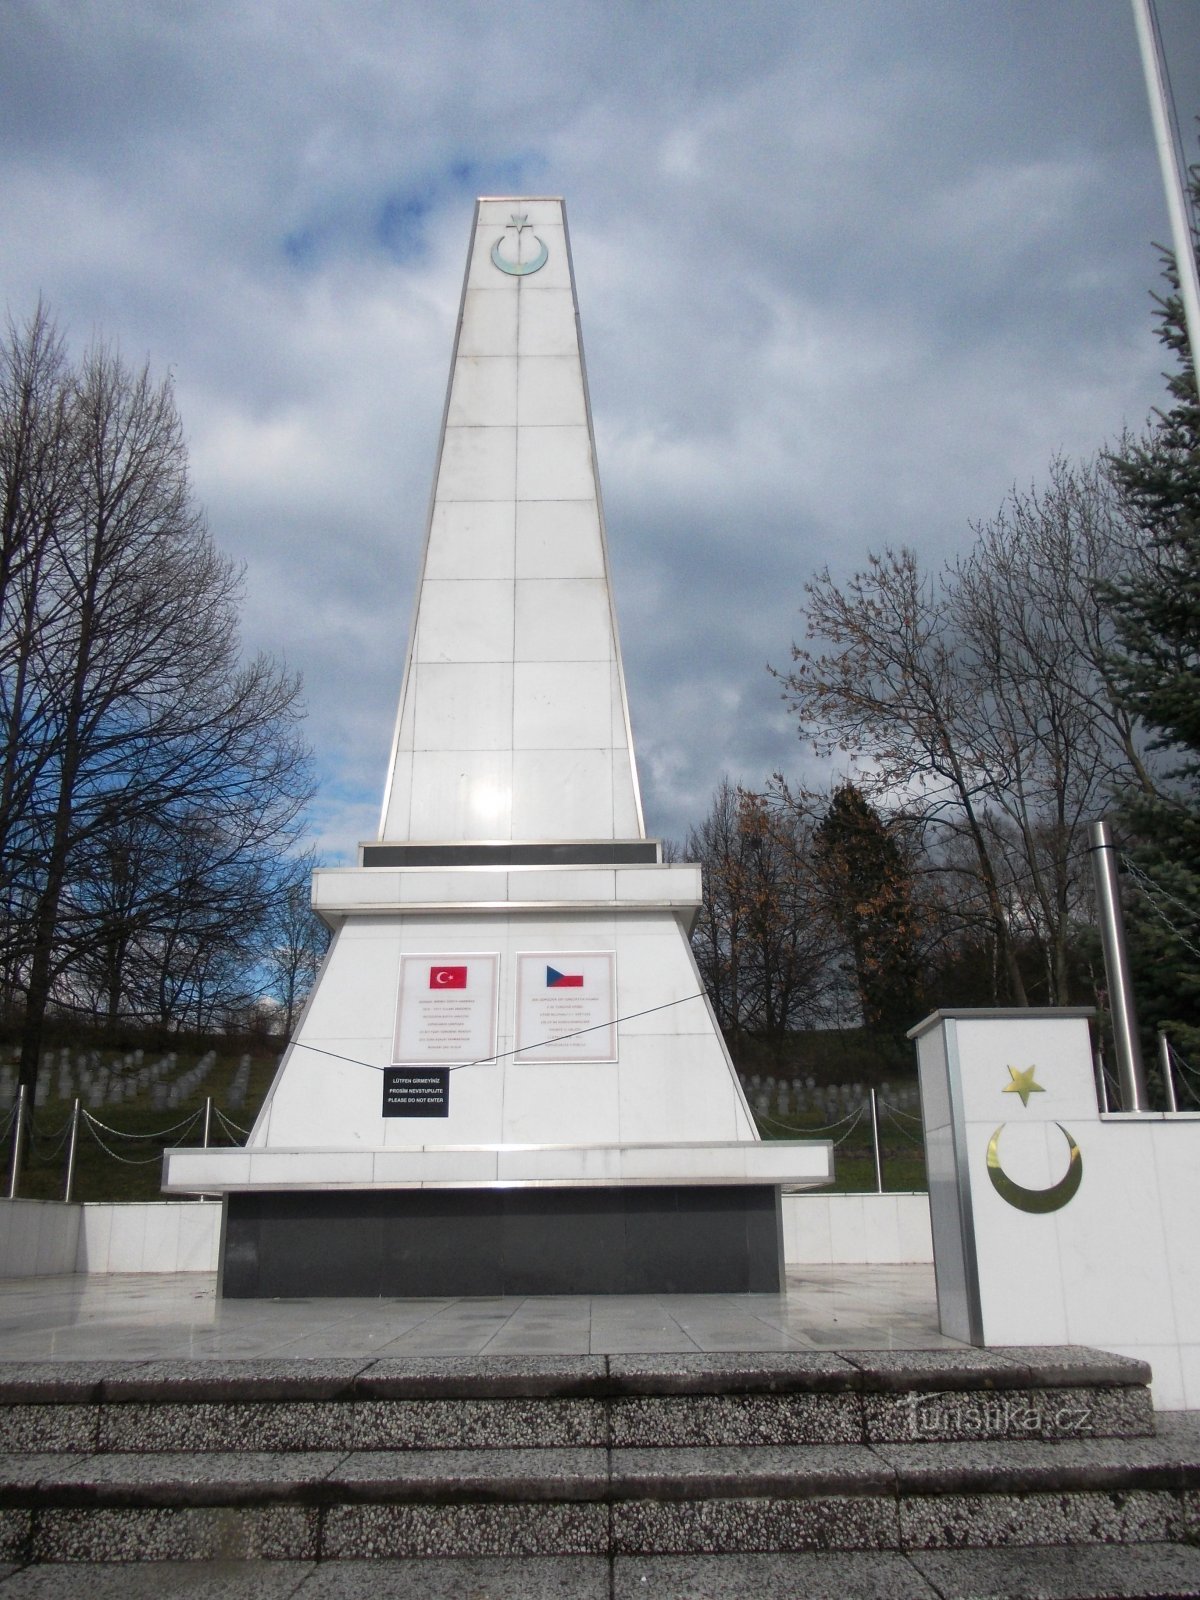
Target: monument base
<point x="711" y="1239"/>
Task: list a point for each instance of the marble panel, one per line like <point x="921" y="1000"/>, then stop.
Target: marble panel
<point x="464" y="705"/>
<point x="553" y="464"/>
<point x="593" y="884"/>
<point x="934" y="1079"/>
<point x="281" y="1168"/>
<point x="562" y="794"/>
<point x="1175" y="1148"/>
<point x="847" y="1228"/>
<point x="550" y="392"/>
<point x="563" y="619"/>
<point x="472" y="536"/>
<point x="912" y="1217"/>
<point x="159" y="1234"/>
<point x="398" y="798"/>
<point x="1115" y="1273"/>
<point x="1187" y="1398"/>
<point x="127" y="1242"/>
<point x="558" y="539"/>
<point x="358" y="989"/>
<point x="489" y="323"/>
<point x="476" y="1116"/>
<point x="465" y="620"/>
<point x="788" y="1161"/>
<point x="478" y="464"/>
<point x="467" y="795"/>
<point x="561" y="705"/>
<point x="411" y="1166"/>
<point x="1059" y="1049"/>
<point x="95" y="1231"/>
<point x="325" y="1100"/>
<point x="355" y="886"/>
<point x="807" y="1229"/>
<point x="627" y="815"/>
<point x="561" y="1104"/>
<point x="547" y="324"/>
<point x="483" y="392"/>
<point x="187" y="1172"/>
<point x="539" y="209"/>
<point x="555" y="273"/>
<point x="678" y="882"/>
<point x="881" y="1229"/>
<point x="666" y="1093"/>
<point x="432" y="886"/>
<point x="670" y="1163"/>
<point x="562" y="1164"/>
<point x="199" y="1238"/>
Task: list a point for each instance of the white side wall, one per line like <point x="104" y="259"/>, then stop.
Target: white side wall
<point x="38" y="1238"/>
<point x="44" y="1238"/>
<point x="856" y="1229"/>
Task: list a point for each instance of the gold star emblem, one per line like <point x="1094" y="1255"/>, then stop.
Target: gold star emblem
<point x="1022" y="1084"/>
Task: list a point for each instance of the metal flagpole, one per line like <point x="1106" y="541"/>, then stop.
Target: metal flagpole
<point x="1130" y="1073"/>
<point x="1174" y="180"/>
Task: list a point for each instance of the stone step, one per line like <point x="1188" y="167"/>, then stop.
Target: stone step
<point x="1144" y="1572"/>
<point x="563" y="1402"/>
<point x="667" y="1500"/>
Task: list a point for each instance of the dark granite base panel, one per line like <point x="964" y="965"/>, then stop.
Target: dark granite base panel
<point x="398" y="1242"/>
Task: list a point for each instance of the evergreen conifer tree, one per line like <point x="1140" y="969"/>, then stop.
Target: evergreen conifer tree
<point x="1158" y="618"/>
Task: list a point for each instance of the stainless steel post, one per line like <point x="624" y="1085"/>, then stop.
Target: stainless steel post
<point x="72" y="1147"/>
<point x="1168" y="1075"/>
<point x="207" y="1129"/>
<point x="1174" y="179"/>
<point x="1101" y="1080"/>
<point x="18" y="1144"/>
<point x="875" y="1140"/>
<point x="1130" y="1073"/>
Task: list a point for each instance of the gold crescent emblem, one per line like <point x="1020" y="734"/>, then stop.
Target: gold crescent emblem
<point x="1038" y="1202"/>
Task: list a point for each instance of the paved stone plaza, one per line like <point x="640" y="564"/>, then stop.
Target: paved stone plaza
<point x="84" y="1318"/>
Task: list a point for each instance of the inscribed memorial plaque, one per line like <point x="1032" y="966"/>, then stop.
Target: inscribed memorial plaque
<point x="566" y="1006"/>
<point x="445" y="1010"/>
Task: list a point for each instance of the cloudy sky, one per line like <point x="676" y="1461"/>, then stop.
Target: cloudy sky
<point x="847" y="269"/>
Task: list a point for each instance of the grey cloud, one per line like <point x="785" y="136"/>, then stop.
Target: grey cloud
<point x="846" y="273"/>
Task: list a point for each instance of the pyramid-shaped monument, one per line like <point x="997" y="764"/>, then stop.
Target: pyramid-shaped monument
<point x="508" y="1077"/>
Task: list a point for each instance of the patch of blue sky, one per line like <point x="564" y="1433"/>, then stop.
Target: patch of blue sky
<point x="396" y="222"/>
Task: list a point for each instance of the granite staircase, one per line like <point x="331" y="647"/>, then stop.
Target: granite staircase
<point x="1039" y="1472"/>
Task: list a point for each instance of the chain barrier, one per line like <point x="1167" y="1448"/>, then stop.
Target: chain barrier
<point x="92" y="1123"/>
<point x="38" y="1141"/>
<point x="899" y="1111"/>
<point x="826" y="1127"/>
<point x="904" y="1132"/>
<point x="119" y="1133"/>
<point x="229" y="1125"/>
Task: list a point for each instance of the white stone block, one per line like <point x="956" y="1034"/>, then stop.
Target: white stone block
<point x="554" y="464"/>
<point x="483" y="392"/>
<point x="550" y="392"/>
<point x="472" y="536"/>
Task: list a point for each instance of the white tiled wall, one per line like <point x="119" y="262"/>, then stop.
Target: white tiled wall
<point x="856" y="1229"/>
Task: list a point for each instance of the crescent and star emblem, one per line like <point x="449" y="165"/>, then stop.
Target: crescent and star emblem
<point x="1035" y="1202"/>
<point x="519" y="268"/>
<point x="443" y="979"/>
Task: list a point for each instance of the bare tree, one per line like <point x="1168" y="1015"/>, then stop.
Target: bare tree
<point x="979" y="701"/>
<point x="295" y="942"/>
<point x="764" y="948"/>
<point x="124" y="695"/>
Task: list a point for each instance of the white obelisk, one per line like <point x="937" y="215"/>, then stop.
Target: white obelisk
<point x="510" y="998"/>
